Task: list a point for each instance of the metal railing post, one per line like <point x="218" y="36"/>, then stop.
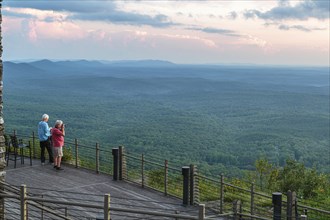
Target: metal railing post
<point x="185" y="194"/>
<point x="115" y="154"/>
<point x="106" y="207"/>
<point x="166" y="178"/>
<point x="201" y="212"/>
<point x="23" y="202"/>
<point x="277" y="204"/>
<point x="142" y="171"/>
<point x="76" y="151"/>
<point x="252" y="200"/>
<point x="97" y="162"/>
<point x="221" y="193"/>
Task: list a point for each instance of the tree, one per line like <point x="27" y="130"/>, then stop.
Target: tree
<point x="291" y="177"/>
<point x="263" y="167"/>
<point x="305" y="182"/>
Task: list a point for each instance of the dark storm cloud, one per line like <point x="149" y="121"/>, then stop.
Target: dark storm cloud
<point x="93" y="11"/>
<point x="302" y="11"/>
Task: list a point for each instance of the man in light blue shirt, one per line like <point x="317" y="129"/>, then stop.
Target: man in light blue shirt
<point x="44" y="134"/>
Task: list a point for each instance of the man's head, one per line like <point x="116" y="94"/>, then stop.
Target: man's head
<point x="45" y="117"/>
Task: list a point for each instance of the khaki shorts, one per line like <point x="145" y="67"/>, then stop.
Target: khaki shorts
<point x="58" y="152"/>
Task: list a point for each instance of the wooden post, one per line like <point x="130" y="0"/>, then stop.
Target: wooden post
<point x="97" y="167"/>
<point x="34" y="145"/>
<point x="237" y="209"/>
<point x="142" y="171"/>
<point x="23" y="202"/>
<point x="252" y="200"/>
<point x="121" y="161"/>
<point x="290" y="205"/>
<point x="76" y="151"/>
<point x="192" y="184"/>
<point x="222" y="193"/>
<point x="201" y="212"/>
<point x="30" y="153"/>
<point x="177" y="212"/>
<point x="166" y="178"/>
<point x="106" y="207"/>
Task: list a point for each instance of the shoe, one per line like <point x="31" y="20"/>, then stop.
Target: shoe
<point x="43" y="164"/>
<point x="55" y="166"/>
<point x="59" y="168"/>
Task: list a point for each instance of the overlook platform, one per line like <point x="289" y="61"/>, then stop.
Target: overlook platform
<point x="85" y="186"/>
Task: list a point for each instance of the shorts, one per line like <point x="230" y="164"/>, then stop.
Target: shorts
<point x="58" y="151"/>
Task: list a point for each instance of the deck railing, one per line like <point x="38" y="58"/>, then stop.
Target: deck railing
<point x="34" y="203"/>
<point x="151" y="172"/>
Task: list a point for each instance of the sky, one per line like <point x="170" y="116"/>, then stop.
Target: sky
<point x="260" y="32"/>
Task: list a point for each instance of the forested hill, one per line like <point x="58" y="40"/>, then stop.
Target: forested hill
<point x="221" y="118"/>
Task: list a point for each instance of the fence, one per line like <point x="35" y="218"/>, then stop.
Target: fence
<point x="186" y="183"/>
<point x="31" y="203"/>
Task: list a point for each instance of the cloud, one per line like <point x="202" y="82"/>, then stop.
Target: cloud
<point x="56" y="30"/>
<point x="92" y="11"/>
<point x="209" y="30"/>
<point x="204" y="41"/>
<point x="301" y="11"/>
<point x="120" y="17"/>
<point x="298" y="27"/>
<point x="232" y="15"/>
<point x="258" y="42"/>
<point x="82" y="6"/>
<point x="28" y="13"/>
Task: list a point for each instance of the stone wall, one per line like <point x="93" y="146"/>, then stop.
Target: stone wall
<point x="2" y="140"/>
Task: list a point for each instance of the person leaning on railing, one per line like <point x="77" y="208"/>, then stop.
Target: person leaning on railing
<point x="58" y="133"/>
<point x="44" y="134"/>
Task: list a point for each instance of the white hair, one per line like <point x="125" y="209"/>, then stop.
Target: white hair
<point x="45" y="116"/>
<point x="57" y="123"/>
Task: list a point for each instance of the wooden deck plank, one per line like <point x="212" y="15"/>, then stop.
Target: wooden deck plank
<point x="82" y="184"/>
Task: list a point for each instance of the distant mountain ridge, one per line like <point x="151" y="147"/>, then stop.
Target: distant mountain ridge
<point x="140" y="63"/>
<point x="95" y="63"/>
